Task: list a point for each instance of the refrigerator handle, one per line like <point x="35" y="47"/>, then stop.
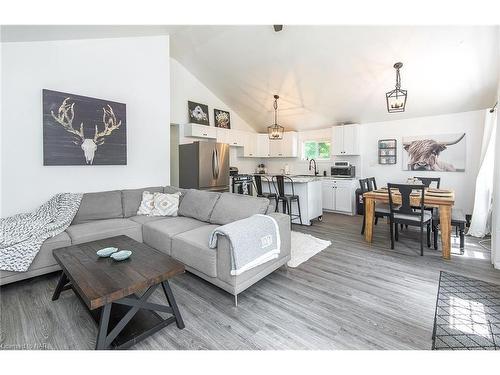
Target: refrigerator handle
<point x="214" y="163"/>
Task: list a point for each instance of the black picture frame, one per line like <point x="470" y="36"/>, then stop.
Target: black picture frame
<point x="222" y="119"/>
<point x="80" y="130"/>
<point x="198" y="113"/>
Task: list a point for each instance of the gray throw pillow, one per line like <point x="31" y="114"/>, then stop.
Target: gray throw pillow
<point x="198" y="204"/>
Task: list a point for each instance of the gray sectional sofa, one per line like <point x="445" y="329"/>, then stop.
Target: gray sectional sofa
<point x="184" y="237"/>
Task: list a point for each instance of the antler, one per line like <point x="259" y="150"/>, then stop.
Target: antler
<point x="65" y="116"/>
<point x="110" y="124"/>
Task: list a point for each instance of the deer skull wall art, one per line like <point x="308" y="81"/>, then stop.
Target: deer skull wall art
<point x="91" y="123"/>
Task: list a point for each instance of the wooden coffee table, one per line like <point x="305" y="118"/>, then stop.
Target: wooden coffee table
<point x="108" y="289"/>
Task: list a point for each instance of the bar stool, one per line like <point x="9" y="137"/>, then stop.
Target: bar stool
<point x="258" y="187"/>
<point x="287" y="199"/>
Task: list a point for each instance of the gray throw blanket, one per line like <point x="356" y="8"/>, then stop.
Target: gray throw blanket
<point x="22" y="235"/>
<point x="253" y="241"/>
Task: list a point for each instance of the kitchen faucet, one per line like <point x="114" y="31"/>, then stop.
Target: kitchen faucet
<point x="315" y="168"/>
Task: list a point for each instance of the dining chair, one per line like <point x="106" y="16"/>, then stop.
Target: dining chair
<point x="287" y="199"/>
<point x="381" y="210"/>
<point x="405" y="213"/>
<point x="257" y="179"/>
<point x="427" y="181"/>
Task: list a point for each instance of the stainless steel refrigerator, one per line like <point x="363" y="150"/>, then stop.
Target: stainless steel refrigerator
<point x="204" y="166"/>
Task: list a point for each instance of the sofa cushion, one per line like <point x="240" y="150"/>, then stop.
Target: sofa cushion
<point x="231" y="207"/>
<point x="143" y="219"/>
<point x="100" y="229"/>
<point x="198" y="204"/>
<point x="174" y="189"/>
<point x="97" y="206"/>
<point x="158" y="234"/>
<point x="131" y="199"/>
<point x="191" y="248"/>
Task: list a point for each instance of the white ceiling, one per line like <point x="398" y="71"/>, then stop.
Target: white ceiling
<point x="324" y="74"/>
<point x="332" y="74"/>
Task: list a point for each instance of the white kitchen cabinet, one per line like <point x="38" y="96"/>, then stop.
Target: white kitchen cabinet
<point x="250" y="145"/>
<point x="263" y="146"/>
<point x="286" y="147"/>
<point x="222" y="135"/>
<point x="236" y="138"/>
<point x="328" y="195"/>
<point x="339" y="195"/>
<point x="345" y="140"/>
<point x="200" y="131"/>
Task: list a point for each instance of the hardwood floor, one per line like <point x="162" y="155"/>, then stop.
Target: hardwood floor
<point x="350" y="296"/>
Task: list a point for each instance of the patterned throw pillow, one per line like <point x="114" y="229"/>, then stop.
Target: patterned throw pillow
<point x="147" y="204"/>
<point x="166" y="204"/>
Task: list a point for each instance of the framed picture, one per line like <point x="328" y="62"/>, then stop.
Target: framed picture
<point x="441" y="152"/>
<point x="222" y="119"/>
<point x="387" y="151"/>
<point x="198" y="113"/>
<point x="79" y="130"/>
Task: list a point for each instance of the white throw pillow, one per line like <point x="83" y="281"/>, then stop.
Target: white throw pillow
<point x="147" y="204"/>
<point x="166" y="204"/>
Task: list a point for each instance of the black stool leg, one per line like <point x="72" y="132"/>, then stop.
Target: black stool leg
<point x="435" y="230"/>
<point x="429" y="234"/>
<point x="364" y="223"/>
<point x="396" y="232"/>
<point x="300" y="215"/>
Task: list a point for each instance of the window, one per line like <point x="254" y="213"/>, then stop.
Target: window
<point x="319" y="150"/>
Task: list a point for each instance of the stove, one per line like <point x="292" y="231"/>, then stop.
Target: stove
<point x="242" y="184"/>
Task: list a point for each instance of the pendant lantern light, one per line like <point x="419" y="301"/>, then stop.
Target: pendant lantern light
<point x="396" y="99"/>
<point x="275" y="131"/>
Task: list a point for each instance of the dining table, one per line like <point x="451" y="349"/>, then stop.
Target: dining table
<point x="443" y="199"/>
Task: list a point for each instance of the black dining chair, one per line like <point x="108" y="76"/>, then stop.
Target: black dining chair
<point x="258" y="187"/>
<point x="381" y="209"/>
<point x="427" y="181"/>
<point x="405" y="213"/>
<point x="287" y="199"/>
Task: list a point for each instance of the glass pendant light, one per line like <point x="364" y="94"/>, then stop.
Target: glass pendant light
<point x="396" y="99"/>
<point x="275" y="131"/>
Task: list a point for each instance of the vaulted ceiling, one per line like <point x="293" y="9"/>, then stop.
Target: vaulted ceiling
<point x="324" y="75"/>
<point x="333" y="74"/>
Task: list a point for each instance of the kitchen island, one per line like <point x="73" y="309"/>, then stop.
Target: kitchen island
<point x="309" y="190"/>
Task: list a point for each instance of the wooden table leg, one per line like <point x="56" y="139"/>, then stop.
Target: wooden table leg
<point x="445" y="224"/>
<point x="370" y="214"/>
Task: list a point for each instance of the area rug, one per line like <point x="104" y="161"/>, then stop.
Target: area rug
<point x="305" y="246"/>
<point x="467" y="314"/>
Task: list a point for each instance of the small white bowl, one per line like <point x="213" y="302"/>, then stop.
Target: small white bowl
<point x="121" y="255"/>
<point x="106" y="252"/>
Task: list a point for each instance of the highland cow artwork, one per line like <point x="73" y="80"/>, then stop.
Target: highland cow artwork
<point x="442" y="153"/>
<point x="78" y="130"/>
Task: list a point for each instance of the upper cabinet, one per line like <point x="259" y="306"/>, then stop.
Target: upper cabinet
<point x="200" y="131"/>
<point x="286" y="147"/>
<point x="263" y="146"/>
<point x="231" y="137"/>
<point x="345" y="140"/>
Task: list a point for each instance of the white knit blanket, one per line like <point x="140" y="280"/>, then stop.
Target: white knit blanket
<point x="22" y="235"/>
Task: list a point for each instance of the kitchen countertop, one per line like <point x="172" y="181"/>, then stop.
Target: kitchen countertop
<point x="306" y="178"/>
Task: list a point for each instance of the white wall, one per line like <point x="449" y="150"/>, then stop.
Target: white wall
<point x="463" y="183"/>
<point x="185" y="86"/>
<point x="134" y="71"/>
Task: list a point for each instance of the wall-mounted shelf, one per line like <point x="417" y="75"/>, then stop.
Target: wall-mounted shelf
<point x="387" y="151"/>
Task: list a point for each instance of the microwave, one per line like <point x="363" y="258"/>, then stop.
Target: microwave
<point x="343" y="169"/>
